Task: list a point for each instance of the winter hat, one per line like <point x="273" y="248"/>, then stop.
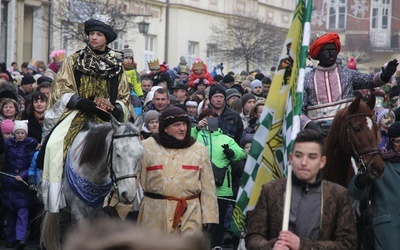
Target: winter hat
<point x="244" y="73"/>
<point x="173" y="114"/>
<point x="239" y="88"/>
<point x="44" y="79"/>
<point x="150" y="115"/>
<point x="246" y="97"/>
<point x="352" y="64"/>
<point x="246" y="83"/>
<point x="394" y="130"/>
<point x="228" y="79"/>
<point x="102" y="23"/>
<point x="394" y="91"/>
<point x="259" y="76"/>
<point x="218" y="78"/>
<point x="21" y="124"/>
<point x="215" y="89"/>
<point x="58" y="55"/>
<point x="27" y="79"/>
<point x="4" y="76"/>
<point x="232" y="92"/>
<point x="192" y="103"/>
<point x="180" y="86"/>
<point x="246" y="138"/>
<point x="255" y="83"/>
<point x="380" y="114"/>
<point x="7" y="126"/>
<point x="127" y="51"/>
<point x="183" y="67"/>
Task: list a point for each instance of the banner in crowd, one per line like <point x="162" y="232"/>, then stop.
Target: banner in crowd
<point x="279" y="121"/>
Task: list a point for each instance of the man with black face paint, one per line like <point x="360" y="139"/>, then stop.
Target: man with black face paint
<point x="329" y="86"/>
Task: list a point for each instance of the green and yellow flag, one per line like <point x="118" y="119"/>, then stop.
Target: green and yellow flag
<point x="279" y="121"/>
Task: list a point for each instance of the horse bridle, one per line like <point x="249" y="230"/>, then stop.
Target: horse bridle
<point x="373" y="151"/>
<point x="113" y="177"/>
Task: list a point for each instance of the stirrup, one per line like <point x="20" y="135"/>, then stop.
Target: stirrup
<point x="216" y="248"/>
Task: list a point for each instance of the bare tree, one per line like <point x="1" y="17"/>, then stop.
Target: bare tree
<point x="67" y="17"/>
<point x="247" y="39"/>
<point x="357" y="48"/>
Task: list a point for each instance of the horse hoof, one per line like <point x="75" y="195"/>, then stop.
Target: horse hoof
<point x="21" y="245"/>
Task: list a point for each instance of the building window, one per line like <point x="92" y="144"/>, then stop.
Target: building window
<point x="192" y="52"/>
<point x="380" y="14"/>
<point x="118" y="44"/>
<point x="148" y="50"/>
<point x="337" y="14"/>
<point x="211" y="52"/>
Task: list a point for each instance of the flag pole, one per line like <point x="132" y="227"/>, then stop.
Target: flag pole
<point x="288" y="197"/>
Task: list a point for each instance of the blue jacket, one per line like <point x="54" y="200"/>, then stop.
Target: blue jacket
<point x="214" y="141"/>
<point x="18" y="157"/>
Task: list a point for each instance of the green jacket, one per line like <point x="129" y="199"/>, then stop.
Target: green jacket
<point x="135" y="85"/>
<point x="214" y="141"/>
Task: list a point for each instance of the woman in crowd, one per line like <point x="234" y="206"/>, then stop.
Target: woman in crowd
<point x="8" y="109"/>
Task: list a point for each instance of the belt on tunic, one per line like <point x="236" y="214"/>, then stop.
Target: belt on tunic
<point x="180" y="207"/>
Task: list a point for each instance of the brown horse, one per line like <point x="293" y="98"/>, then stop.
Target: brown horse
<point x="353" y="134"/>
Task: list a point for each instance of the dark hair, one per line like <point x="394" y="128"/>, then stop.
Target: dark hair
<point x="24" y="65"/>
<point x="207" y="113"/>
<point x="161" y="91"/>
<point x="309" y="135"/>
<point x="237" y="105"/>
<point x="35" y="96"/>
<point x="200" y="92"/>
<point x="144" y="77"/>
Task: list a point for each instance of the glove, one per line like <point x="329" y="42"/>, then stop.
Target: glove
<point x="116" y="112"/>
<point x="86" y="105"/>
<point x="389" y="70"/>
<point x="103" y="115"/>
<point x="31" y="187"/>
<point x="229" y="153"/>
<point x="362" y="180"/>
<point x="317" y="127"/>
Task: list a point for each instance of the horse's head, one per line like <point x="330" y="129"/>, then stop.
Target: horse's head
<point x="362" y="137"/>
<point x="125" y="153"/>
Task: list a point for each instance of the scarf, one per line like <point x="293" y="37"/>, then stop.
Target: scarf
<point x="168" y="141"/>
<point x="106" y="66"/>
<point x="39" y="117"/>
<point x="391" y="155"/>
<point x="54" y="67"/>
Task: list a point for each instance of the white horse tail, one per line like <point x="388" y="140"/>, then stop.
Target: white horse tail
<point x="50" y="232"/>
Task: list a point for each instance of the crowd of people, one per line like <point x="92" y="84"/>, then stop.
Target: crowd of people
<point x="197" y="132"/>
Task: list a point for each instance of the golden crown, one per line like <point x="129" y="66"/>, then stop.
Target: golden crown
<point x="198" y="65"/>
<point x="154" y="64"/>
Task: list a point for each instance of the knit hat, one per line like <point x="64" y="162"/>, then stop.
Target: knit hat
<point x="171" y="115"/>
<point x="259" y="76"/>
<point x="246" y="83"/>
<point x="239" y="88"/>
<point x="7" y="126"/>
<point x="232" y="92"/>
<point x="102" y="23"/>
<point x="246" y="97"/>
<point x="127" y="51"/>
<point x="58" y="55"/>
<point x="218" y="78"/>
<point x="380" y="114"/>
<point x="394" y="130"/>
<point x="21" y="124"/>
<point x="27" y="79"/>
<point x="183" y="67"/>
<point x="352" y="64"/>
<point x="255" y="83"/>
<point x="246" y="138"/>
<point x="394" y="91"/>
<point x="192" y="103"/>
<point x="150" y="115"/>
<point x="4" y="76"/>
<point x="216" y="89"/>
<point x="44" y="79"/>
<point x="244" y="73"/>
<point x="228" y="79"/>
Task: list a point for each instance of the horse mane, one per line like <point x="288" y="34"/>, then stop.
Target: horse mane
<point x="93" y="145"/>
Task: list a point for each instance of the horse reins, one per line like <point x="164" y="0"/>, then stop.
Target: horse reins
<point x="113" y="177"/>
<point x="372" y="151"/>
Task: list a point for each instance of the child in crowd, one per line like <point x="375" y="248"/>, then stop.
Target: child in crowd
<point x="199" y="70"/>
<point x="133" y="78"/>
<point x="150" y="124"/>
<point x="16" y="196"/>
